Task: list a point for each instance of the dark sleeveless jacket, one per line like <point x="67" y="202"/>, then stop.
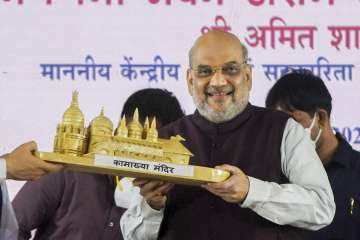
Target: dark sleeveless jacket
<point x="250" y="141"/>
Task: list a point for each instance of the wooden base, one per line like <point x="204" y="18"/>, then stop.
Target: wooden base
<point x="198" y="175"/>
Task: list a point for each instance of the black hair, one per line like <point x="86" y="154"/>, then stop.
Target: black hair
<point x="300" y="90"/>
<point x="153" y="102"/>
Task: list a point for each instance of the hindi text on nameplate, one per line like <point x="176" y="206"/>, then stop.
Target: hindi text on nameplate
<point x="149" y="166"/>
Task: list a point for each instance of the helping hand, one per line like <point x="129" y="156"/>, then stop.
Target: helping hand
<point x="153" y="191"/>
<point x="21" y="164"/>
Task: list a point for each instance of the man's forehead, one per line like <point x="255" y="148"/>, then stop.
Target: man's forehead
<point x="217" y="37"/>
<point x="297" y="114"/>
<point x="214" y="56"/>
<point x="281" y="108"/>
<point x="217" y="48"/>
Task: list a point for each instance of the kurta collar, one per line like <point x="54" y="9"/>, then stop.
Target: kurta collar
<point x="219" y="128"/>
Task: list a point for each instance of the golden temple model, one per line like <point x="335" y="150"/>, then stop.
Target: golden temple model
<point x="131" y="150"/>
<point x="130" y="141"/>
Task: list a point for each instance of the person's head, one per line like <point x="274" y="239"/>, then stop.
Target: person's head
<point x="153" y="102"/>
<point x="304" y="96"/>
<point x="219" y="78"/>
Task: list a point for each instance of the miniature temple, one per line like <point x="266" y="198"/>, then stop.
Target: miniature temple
<point x="129" y="140"/>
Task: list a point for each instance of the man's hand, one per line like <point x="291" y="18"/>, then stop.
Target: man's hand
<point x="153" y="191"/>
<point x="21" y="164"/>
<point x="234" y="189"/>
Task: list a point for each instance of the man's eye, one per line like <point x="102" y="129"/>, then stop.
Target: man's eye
<point x="204" y="71"/>
<point x="231" y="70"/>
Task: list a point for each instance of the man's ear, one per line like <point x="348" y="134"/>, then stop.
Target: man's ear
<point x="248" y="76"/>
<point x="324" y="120"/>
<point x="190" y="82"/>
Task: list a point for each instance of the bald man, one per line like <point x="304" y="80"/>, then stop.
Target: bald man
<point x="20" y="164"/>
<point x="277" y="186"/>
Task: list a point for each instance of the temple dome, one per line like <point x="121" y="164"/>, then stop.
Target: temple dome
<point x="102" y="121"/>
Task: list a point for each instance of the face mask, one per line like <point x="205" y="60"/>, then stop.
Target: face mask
<point x="309" y="129"/>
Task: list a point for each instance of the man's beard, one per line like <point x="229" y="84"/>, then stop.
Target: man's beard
<point x="234" y="109"/>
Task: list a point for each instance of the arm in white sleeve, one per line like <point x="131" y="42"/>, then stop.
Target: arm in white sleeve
<point x="2" y="170"/>
<point x="307" y="201"/>
<point x="140" y="221"/>
<point x="8" y="224"/>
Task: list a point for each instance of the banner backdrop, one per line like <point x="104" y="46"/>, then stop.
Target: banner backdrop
<point x="107" y="49"/>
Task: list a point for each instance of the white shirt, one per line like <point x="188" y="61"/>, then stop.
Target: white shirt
<point x="306" y="202"/>
<point x="126" y="193"/>
<point x="8" y="226"/>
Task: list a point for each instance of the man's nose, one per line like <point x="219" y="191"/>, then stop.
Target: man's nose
<point x="218" y="78"/>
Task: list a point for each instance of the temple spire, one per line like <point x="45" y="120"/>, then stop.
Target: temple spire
<point x="123" y="122"/>
<point x="136" y="115"/>
<point x="146" y="124"/>
<point x="153" y="124"/>
<point x="122" y="130"/>
<point x="146" y="128"/>
<point x="135" y="129"/>
<point x="74" y="100"/>
<point x="152" y="134"/>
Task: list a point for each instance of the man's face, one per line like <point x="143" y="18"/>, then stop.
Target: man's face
<point x="219" y="81"/>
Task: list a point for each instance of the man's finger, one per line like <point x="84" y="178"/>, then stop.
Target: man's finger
<point x="160" y="191"/>
<point x="139" y="182"/>
<point x="45" y="166"/>
<point x="232" y="169"/>
<point x="150" y="187"/>
<point x="227" y="184"/>
<point x="36" y="175"/>
<point x="51" y="167"/>
<point x="31" y="146"/>
<point x="168" y="187"/>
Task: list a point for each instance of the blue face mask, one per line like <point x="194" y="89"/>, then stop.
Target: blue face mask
<point x="309" y="129"/>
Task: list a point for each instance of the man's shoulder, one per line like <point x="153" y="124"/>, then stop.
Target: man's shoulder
<point x="271" y="114"/>
<point x="347" y="153"/>
<point x="355" y="159"/>
<point x="175" y="127"/>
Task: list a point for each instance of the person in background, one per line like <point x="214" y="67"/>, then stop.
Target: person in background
<point x="80" y="206"/>
<point x="277" y="185"/>
<point x="154" y="102"/>
<point x="20" y="164"/>
<point x="305" y="97"/>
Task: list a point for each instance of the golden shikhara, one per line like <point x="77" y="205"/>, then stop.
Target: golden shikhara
<point x="129" y="140"/>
